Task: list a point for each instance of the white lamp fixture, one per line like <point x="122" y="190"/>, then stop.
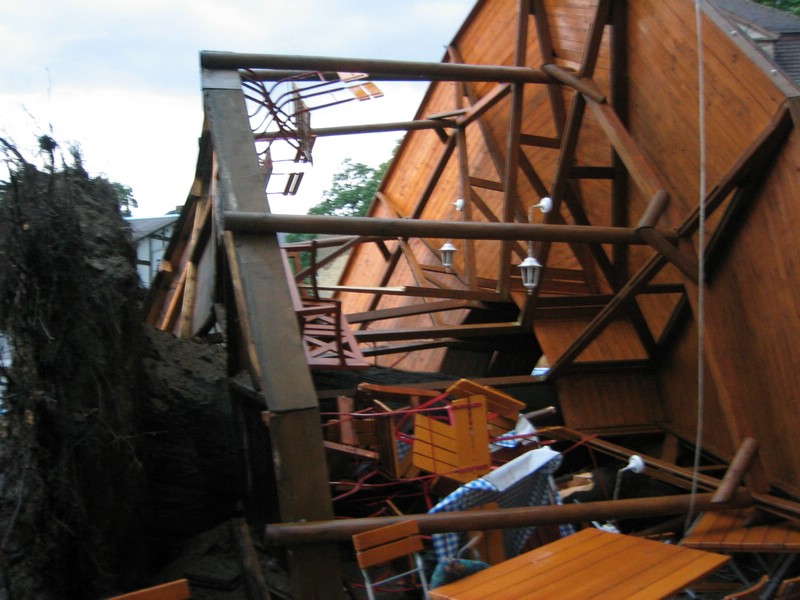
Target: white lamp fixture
<point x="635" y="464"/>
<point x="545" y="205"/>
<point x="447" y="251"/>
<point x="531" y="269"/>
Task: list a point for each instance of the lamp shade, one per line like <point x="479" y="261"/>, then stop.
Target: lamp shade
<point x="530" y="268"/>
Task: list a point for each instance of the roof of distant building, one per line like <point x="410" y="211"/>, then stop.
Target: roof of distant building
<point x="782" y="27"/>
<point x="766" y="17"/>
<point x="143" y="227"/>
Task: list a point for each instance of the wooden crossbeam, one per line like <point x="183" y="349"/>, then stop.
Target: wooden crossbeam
<point x="445" y="331"/>
<point x="405" y="311"/>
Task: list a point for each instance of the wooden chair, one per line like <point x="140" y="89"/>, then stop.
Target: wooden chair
<point x="751" y="593"/>
<point x="458" y="451"/>
<point x="385" y="544"/>
<point x="789" y="590"/>
<point x="174" y="590"/>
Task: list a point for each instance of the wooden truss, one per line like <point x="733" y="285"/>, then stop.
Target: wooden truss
<point x="601" y="285"/>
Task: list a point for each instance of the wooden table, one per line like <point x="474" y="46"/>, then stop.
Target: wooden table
<point x="589" y="564"/>
<point x="727" y="531"/>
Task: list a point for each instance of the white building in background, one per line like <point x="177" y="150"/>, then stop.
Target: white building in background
<point x="151" y="236"/>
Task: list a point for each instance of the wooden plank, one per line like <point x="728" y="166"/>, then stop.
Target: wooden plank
<point x="353" y="451"/>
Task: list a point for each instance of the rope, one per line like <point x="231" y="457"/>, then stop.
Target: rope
<point x="701" y="106"/>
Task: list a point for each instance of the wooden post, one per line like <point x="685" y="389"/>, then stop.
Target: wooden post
<point x="275" y="355"/>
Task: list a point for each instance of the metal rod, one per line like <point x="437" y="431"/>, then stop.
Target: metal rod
<point x="251" y="222"/>
<point x="413" y="70"/>
<point x="340" y="530"/>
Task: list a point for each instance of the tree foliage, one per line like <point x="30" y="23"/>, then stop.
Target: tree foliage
<point x="350" y="195"/>
<point x="352" y="190"/>
<point x="124" y="198"/>
<point x="792" y="6"/>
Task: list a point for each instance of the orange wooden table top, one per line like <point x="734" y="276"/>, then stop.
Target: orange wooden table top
<point x="589" y="564"/>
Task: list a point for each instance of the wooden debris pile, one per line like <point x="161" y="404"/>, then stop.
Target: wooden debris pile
<point x="400" y="448"/>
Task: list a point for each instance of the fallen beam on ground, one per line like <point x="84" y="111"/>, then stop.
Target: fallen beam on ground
<point x="341" y="530"/>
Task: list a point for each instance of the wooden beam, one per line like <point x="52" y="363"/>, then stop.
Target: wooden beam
<point x="418" y="125"/>
<point x="466" y="195"/>
<point x="405" y="311"/>
<point x="279" y="534"/>
<point x="619" y="101"/>
<point x="259" y="222"/>
<point x="585" y="87"/>
<point x="401" y="70"/>
<point x="640" y="170"/>
<point x="545" y="41"/>
<point x="418" y="292"/>
<point x="446" y="331"/>
<point x="511" y="201"/>
<point x="479" y="107"/>
<point x="492" y="145"/>
<point x="686" y="264"/>
<point x="736" y="470"/>
<point x="752" y="162"/>
<point x="609" y="312"/>
<point x="419" y="275"/>
<point x="264" y="298"/>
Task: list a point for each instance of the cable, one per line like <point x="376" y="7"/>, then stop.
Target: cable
<point x="701" y="107"/>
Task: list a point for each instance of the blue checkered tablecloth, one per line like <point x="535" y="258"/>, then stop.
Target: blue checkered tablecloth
<point x="525" y="481"/>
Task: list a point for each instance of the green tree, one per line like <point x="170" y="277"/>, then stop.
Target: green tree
<point x="352" y="190"/>
<point x="350" y="195"/>
<point x="792" y="6"/>
<point x="124" y="197"/>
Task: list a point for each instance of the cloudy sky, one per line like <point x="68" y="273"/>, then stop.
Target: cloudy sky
<point x="121" y="79"/>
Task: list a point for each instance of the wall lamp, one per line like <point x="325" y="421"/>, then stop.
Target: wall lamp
<point x="531" y="268"/>
<point x="448" y="250"/>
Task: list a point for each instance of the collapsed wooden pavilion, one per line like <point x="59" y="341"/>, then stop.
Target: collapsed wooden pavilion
<point x="670" y="244"/>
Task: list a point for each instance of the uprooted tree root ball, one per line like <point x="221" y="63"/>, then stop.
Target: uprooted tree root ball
<point x="116" y="442"/>
<point x="68" y="306"/>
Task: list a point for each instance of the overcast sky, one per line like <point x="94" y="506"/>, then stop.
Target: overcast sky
<point x="121" y="78"/>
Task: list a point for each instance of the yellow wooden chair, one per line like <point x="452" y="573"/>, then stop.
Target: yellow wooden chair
<point x="385" y="544"/>
<point x="458" y="450"/>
